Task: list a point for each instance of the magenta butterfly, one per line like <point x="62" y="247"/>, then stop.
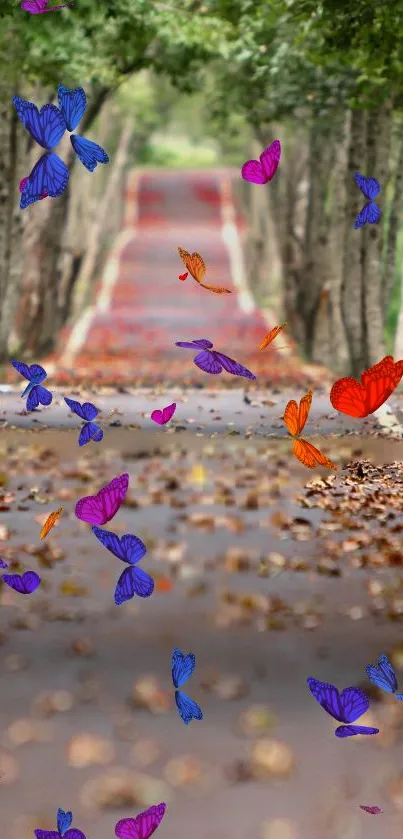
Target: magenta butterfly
<point x="373" y="809"/>
<point x="38" y="7"/>
<point x="162" y="417"/>
<point x="261" y="172"/>
<point x="100" y="508"/>
<point x="143" y="826"/>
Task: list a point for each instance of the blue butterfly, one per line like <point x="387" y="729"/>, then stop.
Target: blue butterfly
<point x="46" y="126"/>
<point x="182" y="668"/>
<point x="345" y="706"/>
<point x="370" y="212"/>
<point x="50" y="175"/>
<point x="87" y="412"/>
<point x="64" y="820"/>
<point x="34" y="391"/>
<point x="72" y="104"/>
<point x="383" y="676"/>
<point x="130" y="549"/>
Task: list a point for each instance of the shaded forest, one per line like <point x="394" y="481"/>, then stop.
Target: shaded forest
<point x="323" y="77"/>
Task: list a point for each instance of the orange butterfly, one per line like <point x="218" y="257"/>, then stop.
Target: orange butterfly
<point x="295" y="418"/>
<point x="272" y="335"/>
<point x="358" y="399"/>
<point x="50" y="522"/>
<point x="196" y="267"/>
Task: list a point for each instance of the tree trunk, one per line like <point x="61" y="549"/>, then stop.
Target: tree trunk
<point x="394" y="223"/>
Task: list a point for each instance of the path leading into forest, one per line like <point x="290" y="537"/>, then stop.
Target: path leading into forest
<point x="140" y="308"/>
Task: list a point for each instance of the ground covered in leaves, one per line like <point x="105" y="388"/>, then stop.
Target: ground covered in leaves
<point x="268" y="572"/>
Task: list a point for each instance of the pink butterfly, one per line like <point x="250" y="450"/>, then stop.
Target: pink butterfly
<point x="100" y="508"/>
<point x="261" y="173"/>
<point x="374" y="810"/>
<point x="143" y="825"/>
<point x="38" y="7"/>
<point x="162" y="417"/>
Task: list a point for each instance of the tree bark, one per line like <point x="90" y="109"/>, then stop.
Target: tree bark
<point x="394" y="222"/>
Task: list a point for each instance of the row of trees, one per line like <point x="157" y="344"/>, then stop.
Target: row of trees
<point x="325" y="77"/>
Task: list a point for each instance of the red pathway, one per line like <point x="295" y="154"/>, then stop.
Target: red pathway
<point x="140" y="308"/>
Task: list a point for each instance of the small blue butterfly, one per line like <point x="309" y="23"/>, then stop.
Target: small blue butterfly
<point x="72" y="104"/>
<point x="182" y="668"/>
<point x="370" y="212"/>
<point x="130" y="549"/>
<point x="87" y="412"/>
<point x="382" y="674"/>
<point x="34" y="391"/>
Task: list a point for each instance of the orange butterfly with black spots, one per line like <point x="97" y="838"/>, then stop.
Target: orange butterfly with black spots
<point x="295" y="417"/>
<point x="358" y="399"/>
<point x="196" y="267"/>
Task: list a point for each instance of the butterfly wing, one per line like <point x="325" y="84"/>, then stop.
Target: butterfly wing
<point x="349" y="397"/>
<point x="197" y="343"/>
<point x="49" y="175"/>
<point x="216" y="289"/>
<point x="291" y="417"/>
<point x="143" y="826"/>
<point x="354" y="703"/>
<point x="90" y="431"/>
<point x="38" y="395"/>
<point x="380" y="381"/>
<point x="162" y="417"/>
<point x="23" y="583"/>
<point x="253" y="172"/>
<point x="374" y="810"/>
<point x="47" y="834"/>
<point x="369" y="187"/>
<point x="133" y="581"/>
<point x="86" y="411"/>
<point x="382" y="674"/>
<point x="183" y="665"/>
<point x="88" y="152"/>
<point x="310" y="456"/>
<point x="270" y="159"/>
<point x="328" y="697"/>
<point x="303" y="410"/>
<point x="64" y="820"/>
<point x="352" y="730"/>
<point x="188" y="709"/>
<point x="370" y="214"/>
<point x="72" y="104"/>
<point x="110" y="541"/>
<point x="35" y="7"/>
<point x="73" y="833"/>
<point x="194" y="264"/>
<point x="101" y="508"/>
<point x="33" y="372"/>
<point x="2" y="563"/>
<point x="232" y="366"/>
<point x="157" y="416"/>
<point x="49" y="523"/>
<point x="133" y="548"/>
<point x="206" y="361"/>
<point x="271" y="336"/>
<point x="46" y="126"/>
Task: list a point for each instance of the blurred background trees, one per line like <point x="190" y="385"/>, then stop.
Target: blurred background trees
<point x="202" y="83"/>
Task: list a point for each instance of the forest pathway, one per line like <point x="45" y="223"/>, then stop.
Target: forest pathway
<point x="127" y="334"/>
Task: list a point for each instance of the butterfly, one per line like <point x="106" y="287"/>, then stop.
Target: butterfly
<point x="182" y="277"/>
<point x="72" y="105"/>
<point x="212" y="361"/>
<point x="130" y="549"/>
<point x="23" y="183"/>
<point x="2" y="563"/>
<point x="162" y="417"/>
<point x="87" y="412"/>
<point x="102" y="507"/>
<point x="23" y="583"/>
<point x="48" y="179"/>
<point x="374" y="810"/>
<point x="38" y="7"/>
<point x="370" y="212"/>
<point x="50" y="522"/>
<point x="271" y="336"/>
<point x="64" y="829"/>
<point x="358" y="399"/>
<point x="196" y="267"/>
<point x="261" y="172"/>
<point x="143" y="826"/>
<point x="182" y="668"/>
<point x="36" y="394"/>
<point x="49" y="175"/>
<point x="382" y="674"/>
<point x="295" y="418"/>
<point x="345" y="707"/>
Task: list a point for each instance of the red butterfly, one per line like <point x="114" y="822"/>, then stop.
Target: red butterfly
<point x="358" y="399"/>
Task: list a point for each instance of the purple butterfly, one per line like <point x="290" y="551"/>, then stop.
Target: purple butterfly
<point x="102" y="507"/>
<point x="345" y="707"/>
<point x="370" y="212"/>
<point x="38" y="7"/>
<point x="2" y="563"/>
<point x="212" y="361"/>
<point x="86" y="411"/>
<point x="162" y="417"/>
<point x="23" y="583"/>
<point x="64" y="820"/>
<point x="261" y="172"/>
<point x="143" y="826"/>
<point x="371" y="808"/>
<point x="130" y="549"/>
<point x="35" y="375"/>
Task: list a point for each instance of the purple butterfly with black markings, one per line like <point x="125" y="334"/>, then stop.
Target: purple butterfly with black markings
<point x="87" y="412"/>
<point x="34" y="391"/>
<point x="143" y="826"/>
<point x="23" y="583"/>
<point x="370" y="212"/>
<point x="212" y="361"/>
<point x="130" y="549"/>
<point x="64" y="829"/>
<point x="346" y="707"/>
